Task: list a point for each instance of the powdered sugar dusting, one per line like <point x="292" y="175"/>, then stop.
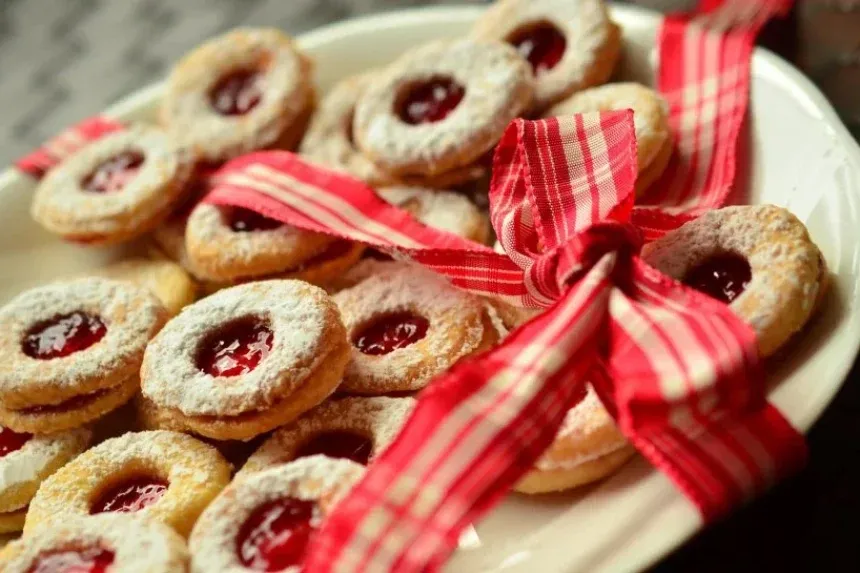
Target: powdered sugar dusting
<point x="315" y="478"/>
<point x="379" y="418"/>
<point x="63" y="206"/>
<point x="192" y="469"/>
<point x="131" y="314"/>
<point x="139" y="546"/>
<point x="443" y="210"/>
<point x="785" y="264"/>
<point x="593" y="43"/>
<point x="221" y="254"/>
<point x="285" y="85"/>
<point x="302" y="319"/>
<point x="457" y="328"/>
<point x="36" y="459"/>
<point x="328" y="141"/>
<point x="498" y="87"/>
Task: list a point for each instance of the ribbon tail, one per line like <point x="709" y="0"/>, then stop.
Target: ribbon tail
<point x="723" y="462"/>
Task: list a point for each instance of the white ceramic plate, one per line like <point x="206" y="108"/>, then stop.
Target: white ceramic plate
<point x="796" y="154"/>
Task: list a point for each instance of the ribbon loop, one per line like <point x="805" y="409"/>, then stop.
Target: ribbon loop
<point x="553" y="181"/>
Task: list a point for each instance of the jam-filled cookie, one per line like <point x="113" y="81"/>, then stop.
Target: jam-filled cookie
<point x="406" y="326"/>
<point x="330" y="143"/>
<point x="72" y="350"/>
<point x="650" y="117"/>
<point x="265" y="521"/>
<point x="165" y="279"/>
<point x="232" y="244"/>
<point x="329" y="140"/>
<point x="356" y="429"/>
<point x="244" y="360"/>
<point x="25" y="462"/>
<point x="248" y="89"/>
<point x="443" y="210"/>
<point x="114" y="189"/>
<point x="166" y="476"/>
<point x="441" y="107"/>
<point x="587" y="447"/>
<point x="570" y="44"/>
<point x="96" y="544"/>
<point x="758" y="259"/>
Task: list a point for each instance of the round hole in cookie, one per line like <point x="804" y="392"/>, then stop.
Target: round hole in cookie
<point x="243" y="220"/>
<point x="63" y="335"/>
<point x="541" y="43"/>
<point x="339" y="444"/>
<point x="391" y="331"/>
<point x="429" y="101"/>
<point x="114" y="174"/>
<point x="236" y="348"/>
<point x="83" y="560"/>
<point x="723" y="276"/>
<point x="236" y="93"/>
<point x="130" y="495"/>
<point x="276" y="534"/>
<point x="12" y="441"/>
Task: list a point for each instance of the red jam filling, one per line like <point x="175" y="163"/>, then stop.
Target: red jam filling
<point x="244" y="221"/>
<point x="12" y="441"/>
<point x="542" y="45"/>
<point x="236" y="93"/>
<point x="276" y="535"/>
<point x="63" y="335"/>
<point x="235" y="349"/>
<point x="333" y="251"/>
<point x="723" y="277"/>
<point x="391" y="332"/>
<point x="338" y="444"/>
<point x="70" y="404"/>
<point x="130" y="495"/>
<point x="90" y="560"/>
<point x="115" y="173"/>
<point x="430" y="101"/>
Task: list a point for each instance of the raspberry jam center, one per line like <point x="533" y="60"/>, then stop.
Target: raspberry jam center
<point x="12" y="441"/>
<point x="63" y="335"/>
<point x="430" y="101"/>
<point x="235" y="349"/>
<point x="90" y="560"/>
<point x="236" y="93"/>
<point x="542" y="45"/>
<point x="391" y="332"/>
<point x="115" y="173"/>
<point x="276" y="535"/>
<point x="244" y="221"/>
<point x="130" y="495"/>
<point x="723" y="277"/>
<point x="338" y="444"/>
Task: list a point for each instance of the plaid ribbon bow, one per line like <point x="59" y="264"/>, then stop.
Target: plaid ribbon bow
<point x="677" y="370"/>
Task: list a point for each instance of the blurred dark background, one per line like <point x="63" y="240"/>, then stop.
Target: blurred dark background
<point x="61" y="60"/>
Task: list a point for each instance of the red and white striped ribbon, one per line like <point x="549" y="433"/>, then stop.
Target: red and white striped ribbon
<point x="677" y="370"/>
<point x="38" y="162"/>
